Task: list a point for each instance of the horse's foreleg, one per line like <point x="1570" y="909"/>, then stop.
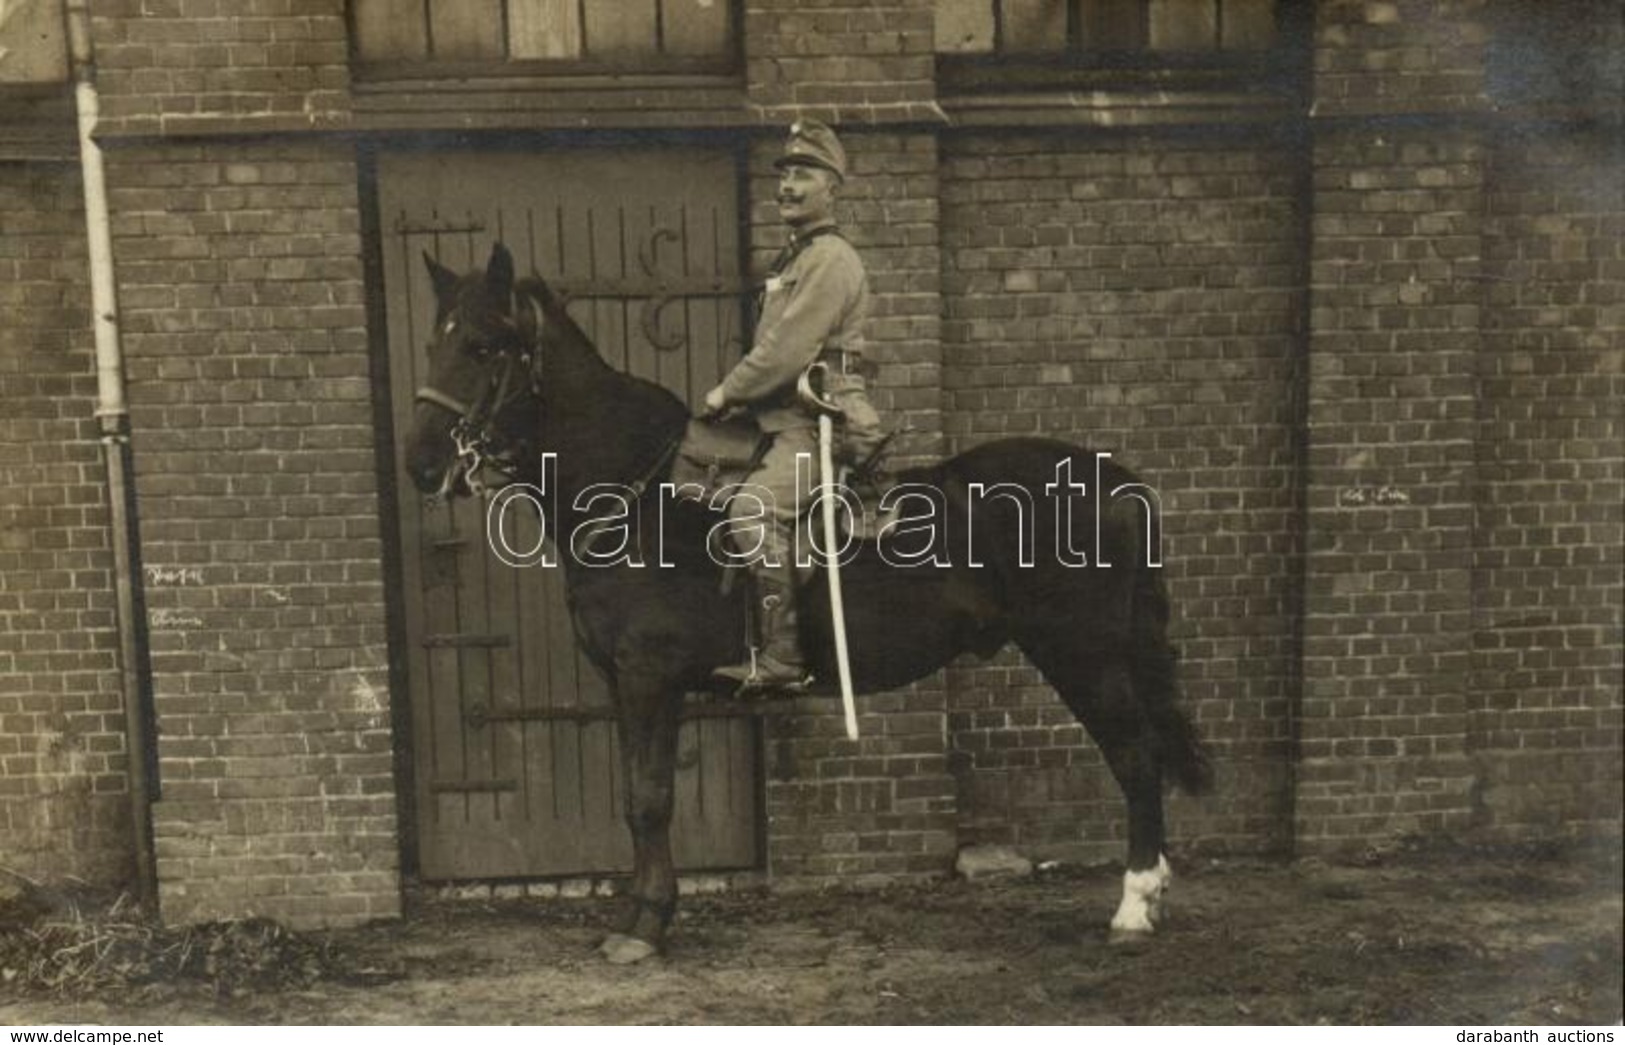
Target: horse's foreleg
<point x="648" y="714"/>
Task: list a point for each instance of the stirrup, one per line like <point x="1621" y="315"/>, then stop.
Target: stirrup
<point x="763" y="673"/>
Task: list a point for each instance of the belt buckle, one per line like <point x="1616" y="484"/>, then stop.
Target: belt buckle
<point x="842" y="361"/>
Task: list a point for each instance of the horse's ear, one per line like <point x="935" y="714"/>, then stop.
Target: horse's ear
<point x="443" y="278"/>
<point x="536" y="287"/>
<point x="499" y="272"/>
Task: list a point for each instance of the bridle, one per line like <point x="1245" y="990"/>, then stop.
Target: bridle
<point x="472" y="434"/>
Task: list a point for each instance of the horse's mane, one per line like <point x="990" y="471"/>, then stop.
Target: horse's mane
<point x="647" y="405"/>
<point x="536" y="287"/>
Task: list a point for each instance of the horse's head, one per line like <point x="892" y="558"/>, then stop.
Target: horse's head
<point x="474" y="406"/>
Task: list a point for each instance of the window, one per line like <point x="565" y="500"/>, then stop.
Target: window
<point x="33" y="46"/>
<point x="544" y="35"/>
<point x="1033" y="27"/>
<point x="1565" y="57"/>
<point x="1259" y="47"/>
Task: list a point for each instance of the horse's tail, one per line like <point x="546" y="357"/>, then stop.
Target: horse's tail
<point x="1156" y="677"/>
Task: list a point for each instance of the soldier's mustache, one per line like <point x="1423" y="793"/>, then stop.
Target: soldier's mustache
<point x="785" y="197"/>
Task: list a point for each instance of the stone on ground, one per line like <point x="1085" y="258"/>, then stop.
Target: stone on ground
<point x="992" y="861"/>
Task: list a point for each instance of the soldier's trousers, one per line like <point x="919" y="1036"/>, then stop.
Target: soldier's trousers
<point x="786" y="491"/>
<point x="763" y="514"/>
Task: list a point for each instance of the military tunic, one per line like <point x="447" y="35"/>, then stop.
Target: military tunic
<point x="817" y="302"/>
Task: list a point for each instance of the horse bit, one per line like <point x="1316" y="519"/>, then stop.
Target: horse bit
<point x="471" y="433"/>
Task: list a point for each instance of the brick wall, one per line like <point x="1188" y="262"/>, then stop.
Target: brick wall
<point x="1547" y="599"/>
<point x="1135" y="296"/>
<point x="166" y="65"/>
<point x="240" y="279"/>
<point x="62" y="789"/>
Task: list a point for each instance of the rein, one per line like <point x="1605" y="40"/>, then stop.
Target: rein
<point x="471" y="433"/>
<point x="641" y="484"/>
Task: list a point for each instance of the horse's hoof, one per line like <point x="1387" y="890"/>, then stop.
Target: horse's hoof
<point x="1129" y="937"/>
<point x="620" y="949"/>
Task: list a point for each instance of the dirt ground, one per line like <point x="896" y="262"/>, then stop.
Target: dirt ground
<point x="1459" y="936"/>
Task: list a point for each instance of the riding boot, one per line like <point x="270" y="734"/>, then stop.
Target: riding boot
<point x="779" y="663"/>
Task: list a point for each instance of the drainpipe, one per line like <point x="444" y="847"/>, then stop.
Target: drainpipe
<point x="113" y="418"/>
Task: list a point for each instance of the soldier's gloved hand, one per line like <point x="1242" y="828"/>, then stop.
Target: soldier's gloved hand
<point x="715" y="404"/>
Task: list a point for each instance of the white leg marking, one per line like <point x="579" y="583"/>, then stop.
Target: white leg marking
<point x="1141" y="908"/>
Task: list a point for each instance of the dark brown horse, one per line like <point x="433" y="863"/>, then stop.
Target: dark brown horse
<point x="1008" y="542"/>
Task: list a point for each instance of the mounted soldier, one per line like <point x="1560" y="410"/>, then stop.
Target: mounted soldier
<point x="1100" y="637"/>
<point x="813" y="308"/>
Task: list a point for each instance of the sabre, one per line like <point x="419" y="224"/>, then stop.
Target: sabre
<point x="837" y="608"/>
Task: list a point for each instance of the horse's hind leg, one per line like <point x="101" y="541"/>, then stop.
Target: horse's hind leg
<point x="648" y="712"/>
<point x="1102" y="696"/>
<point x="1114" y="716"/>
<point x="1125" y="735"/>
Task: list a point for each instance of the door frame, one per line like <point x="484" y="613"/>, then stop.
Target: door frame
<point x="368" y="149"/>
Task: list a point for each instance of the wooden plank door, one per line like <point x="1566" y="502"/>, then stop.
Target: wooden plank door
<point x="514" y="748"/>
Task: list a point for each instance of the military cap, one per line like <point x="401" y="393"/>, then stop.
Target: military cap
<point x="813" y="143"/>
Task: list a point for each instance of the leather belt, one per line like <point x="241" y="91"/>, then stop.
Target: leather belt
<point x="841" y="361"/>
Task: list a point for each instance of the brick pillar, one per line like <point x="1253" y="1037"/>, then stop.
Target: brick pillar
<point x="239" y="268"/>
<point x="1395" y="329"/>
<point x="844" y="62"/>
<point x="883" y="806"/>
<point x="63" y="800"/>
<point x="240" y="280"/>
<point x="1549" y="601"/>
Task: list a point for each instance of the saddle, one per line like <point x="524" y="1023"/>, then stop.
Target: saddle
<point x="716" y="454"/>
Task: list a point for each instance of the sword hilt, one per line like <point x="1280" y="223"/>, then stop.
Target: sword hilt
<point x="810" y="391"/>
